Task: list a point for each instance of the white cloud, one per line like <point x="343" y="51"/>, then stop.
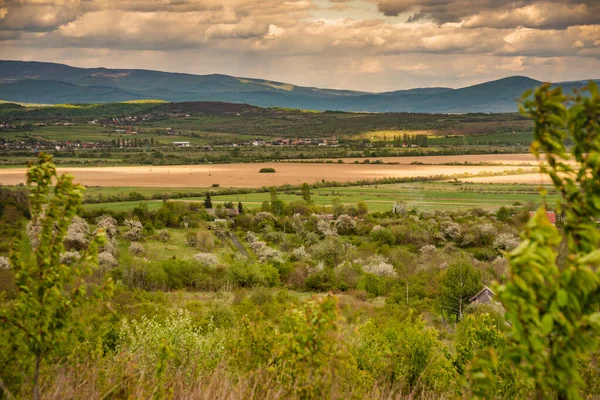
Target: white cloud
<point x="450" y="42"/>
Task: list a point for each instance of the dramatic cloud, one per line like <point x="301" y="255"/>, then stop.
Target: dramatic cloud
<point x="550" y="14"/>
<point x="359" y="44"/>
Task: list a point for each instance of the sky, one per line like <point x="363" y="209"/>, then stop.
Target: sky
<point x="369" y="45"/>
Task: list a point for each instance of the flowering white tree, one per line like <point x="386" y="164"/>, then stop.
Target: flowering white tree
<point x="345" y="224"/>
<point x="137" y="249"/>
<point x="299" y="254"/>
<point x="69" y="257"/>
<point x="379" y="265"/>
<point x="317" y="268"/>
<point x="506" y="241"/>
<point x="206" y="259"/>
<point x="78" y="234"/>
<point x="134" y="231"/>
<point x="106" y="259"/>
<point x="453" y="230"/>
<point x="264" y="216"/>
<point x="109" y="224"/>
<point x="325" y="228"/>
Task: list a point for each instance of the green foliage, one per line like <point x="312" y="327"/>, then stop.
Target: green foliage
<point x="554" y="308"/>
<point x="208" y="201"/>
<point x="406" y="355"/>
<point x="383" y="236"/>
<point x="173" y="343"/>
<point x="266" y="171"/>
<point x="41" y="316"/>
<point x="459" y="282"/>
<point x="306" y="193"/>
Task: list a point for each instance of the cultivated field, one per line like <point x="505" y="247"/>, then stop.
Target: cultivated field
<point x="505" y="159"/>
<point x="247" y="175"/>
<point x="540" y="179"/>
<point x="420" y="195"/>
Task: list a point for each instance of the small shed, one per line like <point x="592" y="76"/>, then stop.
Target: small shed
<point x="484" y="296"/>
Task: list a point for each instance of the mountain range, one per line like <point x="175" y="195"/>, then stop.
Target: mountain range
<point x="51" y="83"/>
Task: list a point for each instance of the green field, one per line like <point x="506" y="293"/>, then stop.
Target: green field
<point x="422" y="196"/>
<point x="504" y="138"/>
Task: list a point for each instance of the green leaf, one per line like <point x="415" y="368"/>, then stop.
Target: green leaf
<point x="547" y="324"/>
<point x="562" y="297"/>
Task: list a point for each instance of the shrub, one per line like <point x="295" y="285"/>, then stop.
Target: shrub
<point x="137" y="249"/>
<point x="484" y="234"/>
<point x="251" y="237"/>
<point x="453" y="231"/>
<point x="175" y="343"/>
<point x="135" y="230"/>
<point x="428" y="249"/>
<point x="206" y="259"/>
<point x="164" y="235"/>
<point x="267" y="171"/>
<point x="383" y="236"/>
<point x="77" y="234"/>
<point x="506" y="241"/>
<point x="379" y="265"/>
<point x="33" y="230"/>
<point x="69" y="257"/>
<point x="348" y="275"/>
<point x="106" y="259"/>
<point x="325" y="228"/>
<point x="109" y="224"/>
<point x="345" y="224"/>
<point x="191" y="238"/>
<point x="299" y="254"/>
<point x="5" y="263"/>
<point x="264" y="217"/>
<point x="205" y="241"/>
<point x="261" y="295"/>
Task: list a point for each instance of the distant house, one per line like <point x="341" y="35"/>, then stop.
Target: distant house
<point x="484" y="296"/>
<point x="181" y="144"/>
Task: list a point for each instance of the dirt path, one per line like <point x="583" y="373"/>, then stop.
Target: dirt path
<point x="239" y="245"/>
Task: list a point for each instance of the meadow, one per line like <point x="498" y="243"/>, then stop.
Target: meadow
<point x="422" y="196"/>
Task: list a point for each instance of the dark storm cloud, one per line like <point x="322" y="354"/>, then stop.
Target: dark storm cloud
<point x="541" y="14"/>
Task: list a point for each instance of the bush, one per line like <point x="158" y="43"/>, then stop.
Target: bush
<point x="77" y="234"/>
<point x="267" y="171"/>
<point x="383" y="236"/>
<point x="137" y="249"/>
<point x="205" y="241"/>
<point x="164" y="235"/>
<point x="206" y="259"/>
<point x="345" y="224"/>
<point x="379" y="265"/>
<point x="175" y="343"/>
<point x="135" y="230"/>
<point x="69" y="257"/>
<point x="261" y="295"/>
<point x="106" y="259"/>
<point x="5" y="263"/>
<point x="109" y="224"/>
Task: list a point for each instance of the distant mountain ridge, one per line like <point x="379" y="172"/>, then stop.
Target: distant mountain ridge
<point x="50" y="83"/>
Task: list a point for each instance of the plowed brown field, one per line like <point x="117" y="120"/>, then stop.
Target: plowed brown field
<point x="247" y="175"/>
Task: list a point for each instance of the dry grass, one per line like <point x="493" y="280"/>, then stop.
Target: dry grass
<point x="89" y="382"/>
